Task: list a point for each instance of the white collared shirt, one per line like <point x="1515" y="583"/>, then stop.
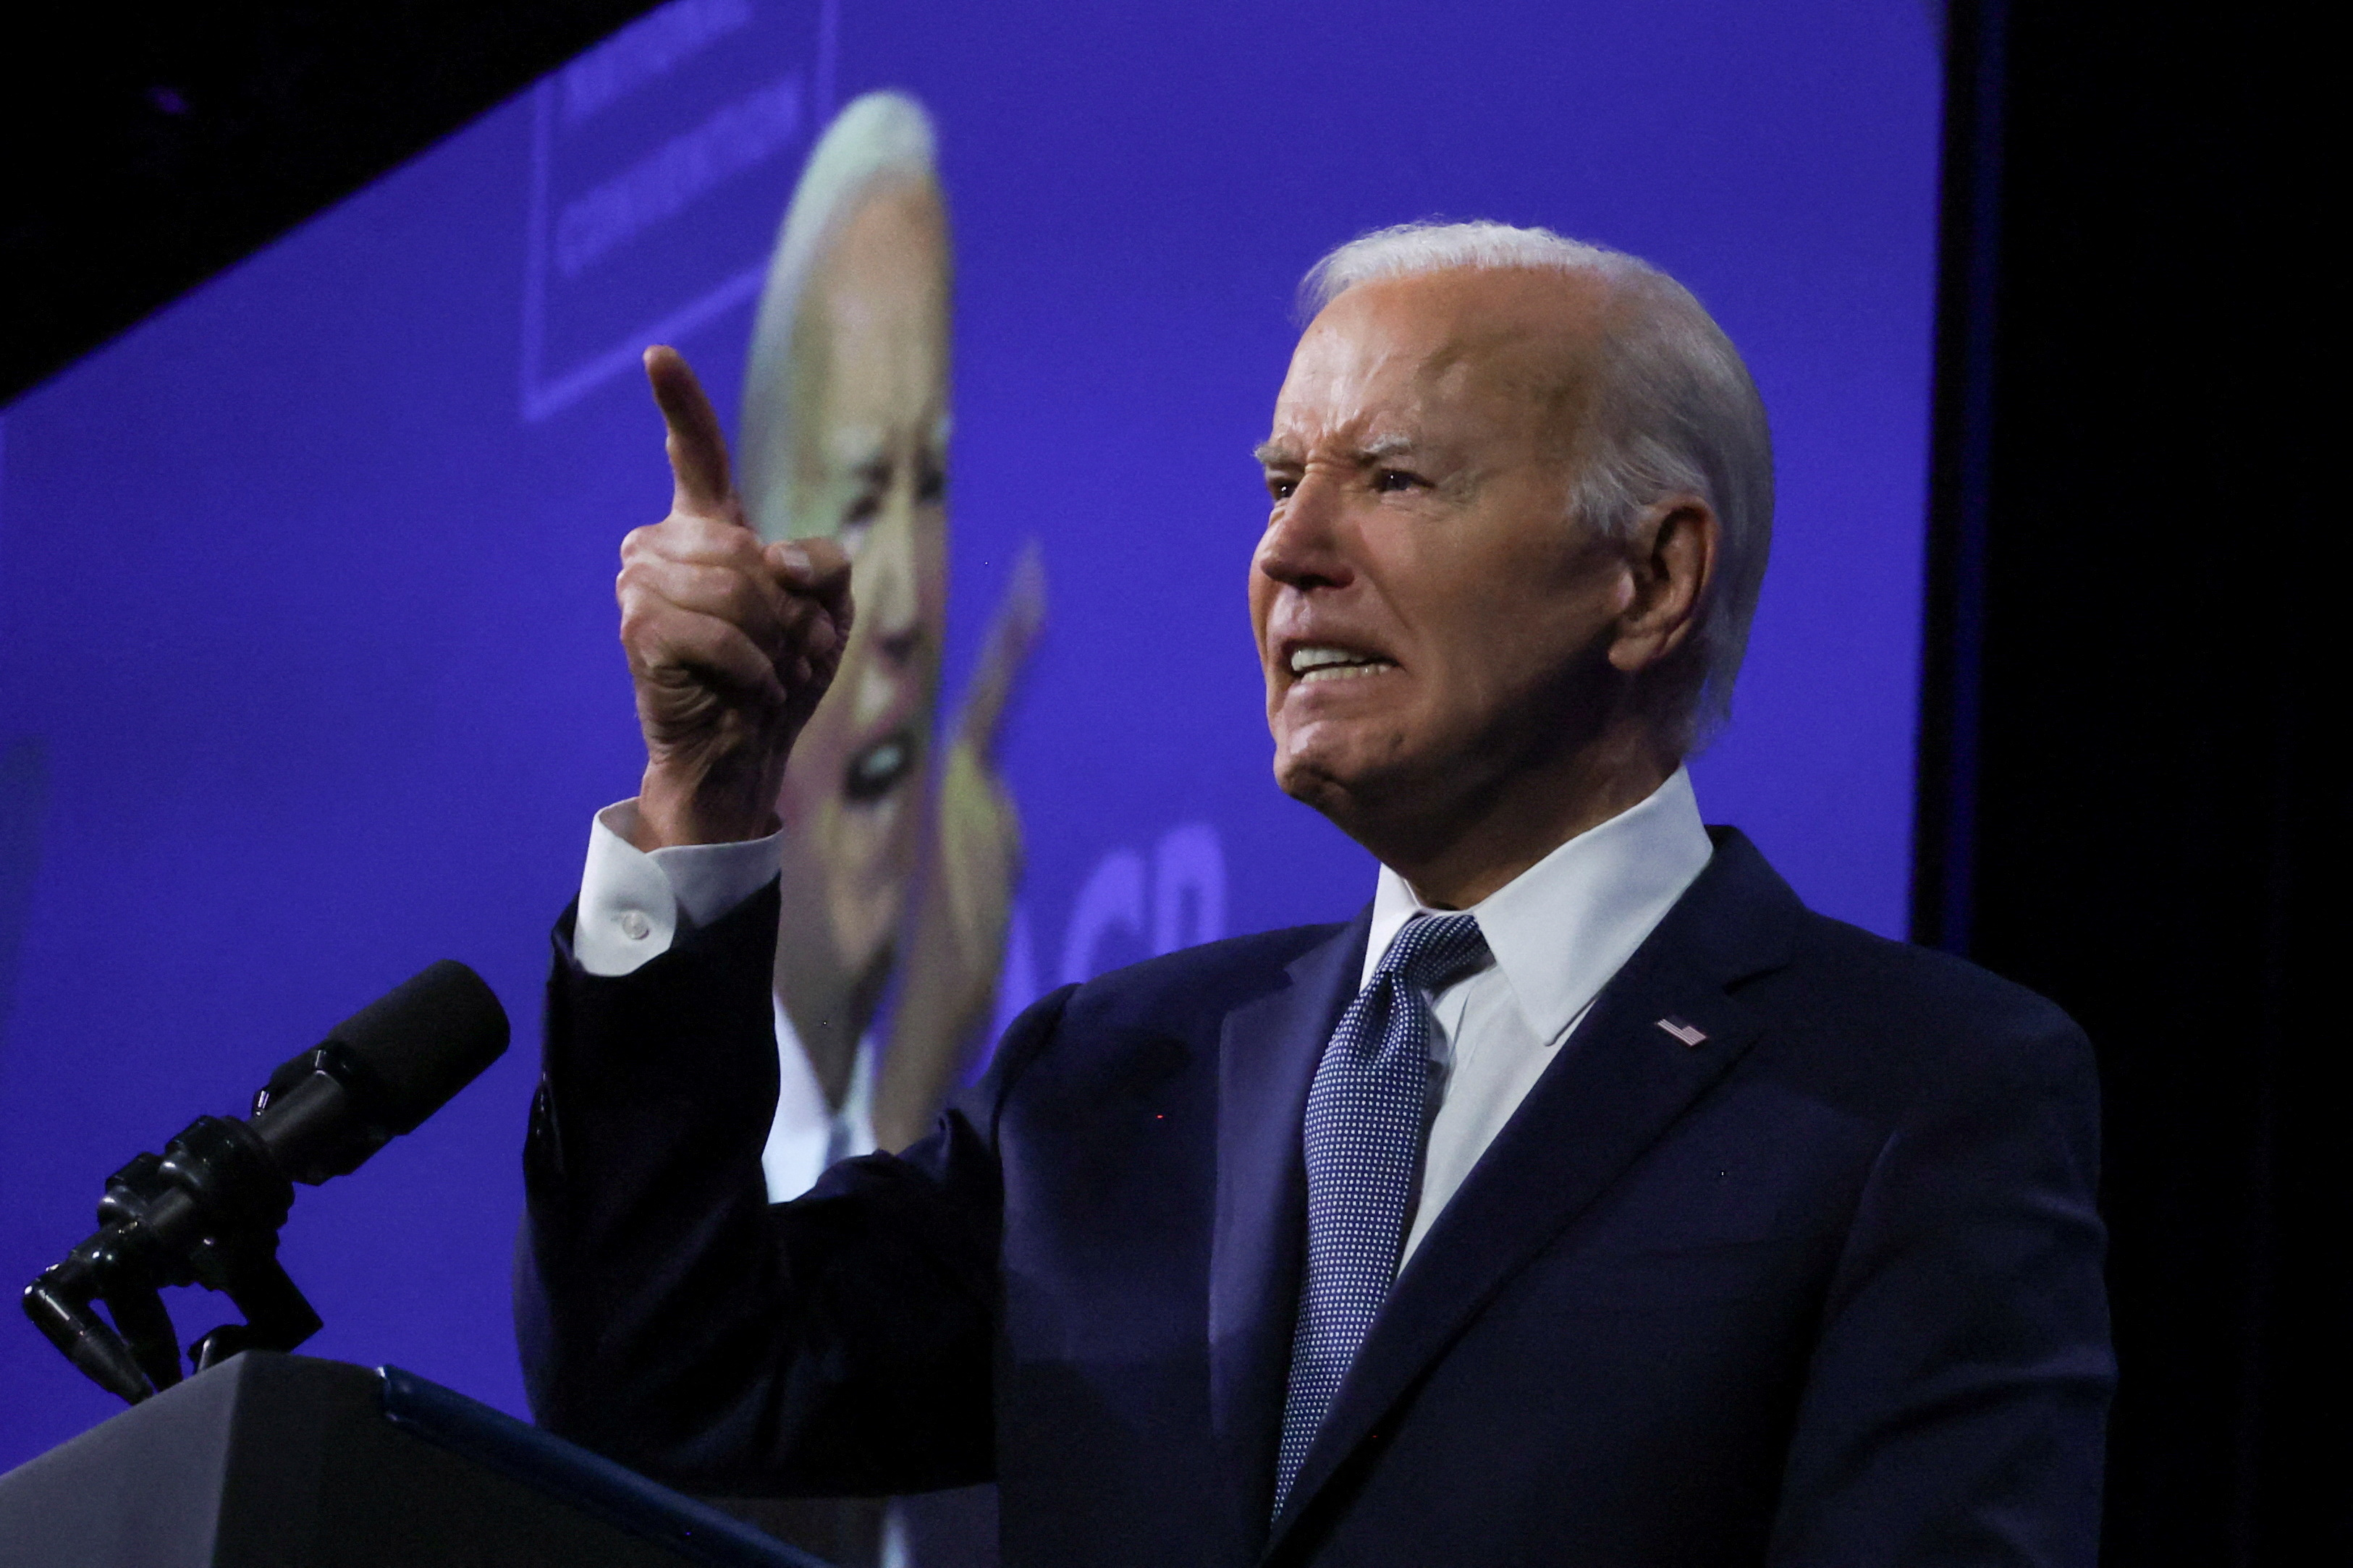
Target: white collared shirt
<point x="1557" y="932"/>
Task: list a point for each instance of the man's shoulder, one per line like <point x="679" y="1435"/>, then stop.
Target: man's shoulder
<point x="1852" y="1001"/>
<point x="1204" y="982"/>
<point x="1896" y="971"/>
<point x="1931" y="1019"/>
<point x="1165" y="1011"/>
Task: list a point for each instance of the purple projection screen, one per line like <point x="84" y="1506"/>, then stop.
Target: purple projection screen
<point x="308" y="673"/>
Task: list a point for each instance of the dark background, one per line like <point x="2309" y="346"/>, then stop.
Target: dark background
<point x="151" y="145"/>
<point x="2124" y="797"/>
<point x="2125" y="802"/>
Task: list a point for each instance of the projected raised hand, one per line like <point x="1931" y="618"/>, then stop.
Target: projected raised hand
<point x="730" y="643"/>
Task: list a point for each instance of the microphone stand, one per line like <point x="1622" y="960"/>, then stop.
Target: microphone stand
<point x="205" y="1212"/>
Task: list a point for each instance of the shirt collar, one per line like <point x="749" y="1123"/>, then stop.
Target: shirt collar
<point x="1560" y="929"/>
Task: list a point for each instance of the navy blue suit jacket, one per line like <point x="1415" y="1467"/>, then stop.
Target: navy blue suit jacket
<point x="1822" y="1288"/>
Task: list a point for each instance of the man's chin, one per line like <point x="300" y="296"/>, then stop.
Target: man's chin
<point x="1343" y="793"/>
<point x="864" y="932"/>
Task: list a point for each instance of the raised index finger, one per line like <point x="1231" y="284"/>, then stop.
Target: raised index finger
<point x="698" y="450"/>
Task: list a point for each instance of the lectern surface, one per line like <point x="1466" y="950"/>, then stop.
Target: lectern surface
<point x="290" y="1462"/>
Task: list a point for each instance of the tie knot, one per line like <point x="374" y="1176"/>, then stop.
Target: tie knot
<point x="1433" y="949"/>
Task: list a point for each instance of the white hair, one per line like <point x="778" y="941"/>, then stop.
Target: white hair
<point x="879" y="138"/>
<point x="1676" y="413"/>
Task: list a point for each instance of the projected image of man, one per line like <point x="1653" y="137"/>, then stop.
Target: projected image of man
<point x="896" y="856"/>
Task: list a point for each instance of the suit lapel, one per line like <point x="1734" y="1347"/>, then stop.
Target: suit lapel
<point x="1620" y="1082"/>
<point x="1267" y="1055"/>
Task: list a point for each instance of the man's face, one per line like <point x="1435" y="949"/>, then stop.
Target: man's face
<point x="871" y="468"/>
<point x="1430" y="621"/>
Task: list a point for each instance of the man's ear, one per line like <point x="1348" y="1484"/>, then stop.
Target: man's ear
<point x="1670" y="559"/>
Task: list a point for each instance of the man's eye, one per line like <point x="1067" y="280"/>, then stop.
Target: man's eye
<point x="1394" y="480"/>
<point x="1280" y="485"/>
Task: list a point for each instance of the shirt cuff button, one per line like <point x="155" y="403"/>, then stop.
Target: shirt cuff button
<point x="635" y="926"/>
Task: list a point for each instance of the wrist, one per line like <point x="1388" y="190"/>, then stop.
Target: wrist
<point x="681" y="805"/>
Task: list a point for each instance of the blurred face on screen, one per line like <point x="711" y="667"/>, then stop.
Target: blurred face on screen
<point x="1430" y="623"/>
<point x="870" y="351"/>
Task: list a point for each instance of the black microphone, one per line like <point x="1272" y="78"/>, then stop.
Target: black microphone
<point x="207" y="1210"/>
<point x="380" y="1073"/>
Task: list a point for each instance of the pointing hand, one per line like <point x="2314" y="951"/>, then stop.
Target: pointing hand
<point x="730" y="643"/>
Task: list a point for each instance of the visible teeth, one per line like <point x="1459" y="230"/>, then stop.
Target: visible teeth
<point x="1335" y="663"/>
<point x="876" y="770"/>
<point x="879" y="762"/>
<point x="1304" y="659"/>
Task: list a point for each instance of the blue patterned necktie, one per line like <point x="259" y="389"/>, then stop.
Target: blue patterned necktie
<point x="1364" y="1131"/>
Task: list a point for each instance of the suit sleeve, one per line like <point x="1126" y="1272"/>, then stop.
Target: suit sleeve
<point x="1955" y="1410"/>
<point x="670" y="1318"/>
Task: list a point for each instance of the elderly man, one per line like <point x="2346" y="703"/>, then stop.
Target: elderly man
<point x="1585" y="1199"/>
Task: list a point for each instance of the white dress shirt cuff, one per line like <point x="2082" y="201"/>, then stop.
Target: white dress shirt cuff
<point x="631" y="901"/>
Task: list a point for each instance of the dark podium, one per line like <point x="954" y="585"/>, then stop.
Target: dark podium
<point x="283" y="1461"/>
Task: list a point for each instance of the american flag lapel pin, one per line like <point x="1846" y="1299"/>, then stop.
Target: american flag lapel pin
<point x="1685" y="1031"/>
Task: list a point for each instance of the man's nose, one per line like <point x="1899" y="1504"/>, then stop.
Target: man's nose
<point x="887" y="594"/>
<point x="1305" y="543"/>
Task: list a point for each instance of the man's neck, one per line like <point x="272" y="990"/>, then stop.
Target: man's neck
<point x="1481" y="845"/>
